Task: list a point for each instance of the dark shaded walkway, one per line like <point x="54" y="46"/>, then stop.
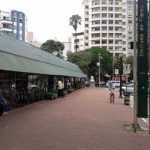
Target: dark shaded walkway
<point x="83" y="120"/>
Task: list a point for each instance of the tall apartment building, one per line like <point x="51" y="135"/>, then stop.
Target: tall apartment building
<point x="18" y="20"/>
<point x="108" y="24"/>
<point x="5" y="22"/>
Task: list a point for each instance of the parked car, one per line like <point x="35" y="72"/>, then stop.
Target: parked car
<point x="102" y="84"/>
<point x="129" y="88"/>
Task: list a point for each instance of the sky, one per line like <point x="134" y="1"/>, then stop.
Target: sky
<point x="47" y="19"/>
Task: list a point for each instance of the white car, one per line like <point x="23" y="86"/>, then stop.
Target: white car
<point x="115" y="84"/>
<point x="129" y="88"/>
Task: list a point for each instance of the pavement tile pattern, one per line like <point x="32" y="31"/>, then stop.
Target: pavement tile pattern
<point x="82" y="120"/>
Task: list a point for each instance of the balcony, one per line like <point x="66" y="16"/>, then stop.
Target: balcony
<point x="3" y="21"/>
<point x="6" y="29"/>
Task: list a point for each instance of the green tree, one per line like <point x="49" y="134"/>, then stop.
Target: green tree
<point x="105" y="62"/>
<point x="81" y="58"/>
<point x="74" y="21"/>
<point x="52" y="46"/>
<point x="87" y="61"/>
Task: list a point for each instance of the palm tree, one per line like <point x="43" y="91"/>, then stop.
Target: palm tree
<point x="74" y="21"/>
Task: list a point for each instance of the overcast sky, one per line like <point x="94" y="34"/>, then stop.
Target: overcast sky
<point x="47" y="19"/>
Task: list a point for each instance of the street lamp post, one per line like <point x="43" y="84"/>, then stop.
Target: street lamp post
<point x="113" y="66"/>
<point x="99" y="57"/>
<point x="120" y="74"/>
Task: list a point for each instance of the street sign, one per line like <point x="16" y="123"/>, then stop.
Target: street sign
<point x="116" y="71"/>
<point x="126" y="68"/>
<point x="142" y="59"/>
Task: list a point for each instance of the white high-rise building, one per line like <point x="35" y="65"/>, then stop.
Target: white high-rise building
<point x="109" y="24"/>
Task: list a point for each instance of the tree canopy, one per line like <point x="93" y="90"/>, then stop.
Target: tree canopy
<point x="52" y="47"/>
<point x="80" y="58"/>
<point x="87" y="61"/>
<point x="74" y="21"/>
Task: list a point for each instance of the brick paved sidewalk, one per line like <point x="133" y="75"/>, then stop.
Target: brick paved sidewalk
<point x="83" y="120"/>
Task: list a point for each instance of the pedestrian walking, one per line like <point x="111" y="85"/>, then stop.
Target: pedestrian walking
<point x="111" y="87"/>
<point x="112" y="96"/>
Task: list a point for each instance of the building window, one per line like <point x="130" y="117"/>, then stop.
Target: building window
<point x="86" y="25"/>
<point x="104" y="15"/>
<point x="96" y="16"/>
<point x="110" y="15"/>
<point x="95" y="22"/>
<point x="95" y="35"/>
<point x="104" y="41"/>
<point x="15" y="19"/>
<point x="110" y="41"/>
<point x="104" y="21"/>
<point x="110" y="8"/>
<point x="86" y="44"/>
<point x="110" y="22"/>
<point x="86" y="19"/>
<point x="86" y="38"/>
<point x="86" y="31"/>
<point x="4" y="17"/>
<point x="96" y="29"/>
<point x="111" y="28"/>
<point x="104" y="8"/>
<point x="104" y="28"/>
<point x="104" y="34"/>
<point x="86" y="7"/>
<point x="96" y="42"/>
<point x="110" y="34"/>
<point x="20" y="20"/>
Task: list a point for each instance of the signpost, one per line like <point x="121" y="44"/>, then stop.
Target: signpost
<point x="142" y="60"/>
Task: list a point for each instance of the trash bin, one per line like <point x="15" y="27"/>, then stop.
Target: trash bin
<point x="126" y="98"/>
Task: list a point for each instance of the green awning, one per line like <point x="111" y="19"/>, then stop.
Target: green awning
<point x="19" y="56"/>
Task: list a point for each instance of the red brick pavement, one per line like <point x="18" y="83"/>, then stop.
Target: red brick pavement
<point x="83" y="120"/>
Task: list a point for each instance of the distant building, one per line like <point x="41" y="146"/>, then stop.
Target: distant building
<point x="18" y="20"/>
<point x="67" y="48"/>
<point x="5" y="22"/>
<point x="30" y="39"/>
<point x="14" y="23"/>
<point x="78" y="38"/>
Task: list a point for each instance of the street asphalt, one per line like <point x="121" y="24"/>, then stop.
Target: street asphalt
<point x="82" y="120"/>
